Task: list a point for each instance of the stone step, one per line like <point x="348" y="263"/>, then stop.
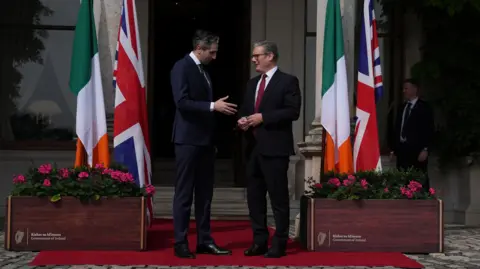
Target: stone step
<point x="219" y="194"/>
<point x="227" y="211"/>
<point x="227" y="203"/>
<point x="165" y="170"/>
<point x="230" y="209"/>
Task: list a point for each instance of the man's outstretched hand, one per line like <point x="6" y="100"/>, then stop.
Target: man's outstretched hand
<point x="224" y="107"/>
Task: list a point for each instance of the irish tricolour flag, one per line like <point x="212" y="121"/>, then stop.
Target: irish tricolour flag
<point x="335" y="107"/>
<point x="86" y="83"/>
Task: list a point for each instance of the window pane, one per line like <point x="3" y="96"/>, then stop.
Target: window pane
<point x="382" y="20"/>
<point x="39" y="12"/>
<point x="35" y="100"/>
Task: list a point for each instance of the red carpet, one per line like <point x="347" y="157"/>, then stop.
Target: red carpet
<point x="235" y="235"/>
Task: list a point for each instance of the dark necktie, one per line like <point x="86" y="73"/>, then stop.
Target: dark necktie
<point x="200" y="66"/>
<point x="261" y="91"/>
<point x="405" y="118"/>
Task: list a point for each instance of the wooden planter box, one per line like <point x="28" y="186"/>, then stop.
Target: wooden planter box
<point x="35" y="224"/>
<point x="407" y="226"/>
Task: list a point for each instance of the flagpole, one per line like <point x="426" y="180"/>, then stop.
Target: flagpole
<point x="322" y="165"/>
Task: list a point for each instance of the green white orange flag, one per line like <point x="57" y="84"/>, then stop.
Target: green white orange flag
<point x="335" y="117"/>
<point x="86" y="83"/>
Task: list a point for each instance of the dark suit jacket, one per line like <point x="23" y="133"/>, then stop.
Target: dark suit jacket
<point x="194" y="122"/>
<point x="419" y="127"/>
<point x="280" y="106"/>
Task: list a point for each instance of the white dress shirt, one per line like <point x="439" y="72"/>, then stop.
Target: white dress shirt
<point x="269" y="74"/>
<point x="197" y="62"/>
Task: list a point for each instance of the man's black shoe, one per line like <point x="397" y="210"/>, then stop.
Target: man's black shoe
<point x="255" y="250"/>
<point x="275" y="253"/>
<point x="182" y="251"/>
<point x="212" y="249"/>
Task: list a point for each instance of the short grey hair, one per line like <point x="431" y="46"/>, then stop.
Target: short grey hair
<point x="204" y="39"/>
<point x="269" y="47"/>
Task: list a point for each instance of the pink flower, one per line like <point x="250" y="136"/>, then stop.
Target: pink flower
<point x="414" y="186"/>
<point x="99" y="166"/>
<point x="318" y="186"/>
<point x="127" y="177"/>
<point x="45" y="169"/>
<point x="150" y="189"/>
<point x="351" y="178"/>
<point x="47" y="183"/>
<point x="122" y="177"/>
<point x="83" y="175"/>
<point x="107" y="171"/>
<point x="64" y="173"/>
<point x="19" y="179"/>
<point x="432" y="191"/>
<point x="117" y="175"/>
<point x="364" y="183"/>
<point x="386" y="190"/>
<point x="334" y="182"/>
<point x="347" y="182"/>
<point x="409" y="193"/>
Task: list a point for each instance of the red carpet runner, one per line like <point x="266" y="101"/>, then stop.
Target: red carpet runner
<point x="235" y="235"/>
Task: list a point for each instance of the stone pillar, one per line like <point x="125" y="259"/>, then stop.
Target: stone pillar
<point x="349" y="17"/>
<point x="472" y="213"/>
<point x="107" y="19"/>
<point x="311" y="148"/>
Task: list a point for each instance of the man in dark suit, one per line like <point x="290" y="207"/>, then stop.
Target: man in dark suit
<point x="272" y="102"/>
<point x="414" y="128"/>
<point x="193" y="132"/>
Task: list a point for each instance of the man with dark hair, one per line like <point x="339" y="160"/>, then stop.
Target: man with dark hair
<point x="414" y="128"/>
<point x="193" y="132"/>
<point x="272" y="102"/>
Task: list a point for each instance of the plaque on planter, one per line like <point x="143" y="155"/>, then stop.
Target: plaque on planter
<point x="372" y="212"/>
<point x="35" y="224"/>
<point x="76" y="209"/>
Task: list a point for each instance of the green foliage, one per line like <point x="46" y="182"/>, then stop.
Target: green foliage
<point x="449" y="71"/>
<point x="84" y="183"/>
<point x="447" y="7"/>
<point x="390" y="184"/>
<point x="453" y="7"/>
<point x="20" y="45"/>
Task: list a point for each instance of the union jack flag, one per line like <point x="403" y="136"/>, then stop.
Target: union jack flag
<point x="131" y="137"/>
<point x="366" y="151"/>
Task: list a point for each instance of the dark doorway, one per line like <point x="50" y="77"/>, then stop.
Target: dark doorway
<point x="174" y="23"/>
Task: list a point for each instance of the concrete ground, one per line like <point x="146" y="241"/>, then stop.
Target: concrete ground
<point x="462" y="246"/>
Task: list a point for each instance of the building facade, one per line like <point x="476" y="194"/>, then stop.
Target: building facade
<point x="37" y="119"/>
